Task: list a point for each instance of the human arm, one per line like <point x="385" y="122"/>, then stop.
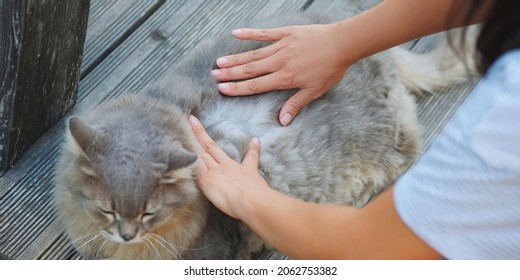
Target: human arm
<point x="303" y="230"/>
<point x="313" y="58"/>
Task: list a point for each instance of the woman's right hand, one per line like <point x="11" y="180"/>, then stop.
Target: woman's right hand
<point x="313" y="58"/>
<point x="306" y="57"/>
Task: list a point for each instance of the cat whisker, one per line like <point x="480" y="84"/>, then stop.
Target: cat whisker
<point x="149" y="244"/>
<point x="161" y="241"/>
<point x="160" y="238"/>
<point x="81" y="237"/>
<point x="102" y="247"/>
<point x="84" y="237"/>
<point x="204" y="247"/>
<point x="184" y="248"/>
<point x="93" y="239"/>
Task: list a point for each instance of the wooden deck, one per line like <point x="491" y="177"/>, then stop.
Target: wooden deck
<point x="129" y="44"/>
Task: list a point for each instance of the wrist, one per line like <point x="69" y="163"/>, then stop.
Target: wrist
<point x="259" y="203"/>
<point x="249" y="202"/>
<point x="346" y="42"/>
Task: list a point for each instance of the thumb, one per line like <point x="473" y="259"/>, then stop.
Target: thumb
<point x="252" y="154"/>
<point x="293" y="105"/>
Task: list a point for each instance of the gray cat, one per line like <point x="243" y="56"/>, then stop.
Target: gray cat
<point x="125" y="181"/>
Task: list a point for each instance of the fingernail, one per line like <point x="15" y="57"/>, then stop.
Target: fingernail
<point x="222" y="61"/>
<point x="255" y="141"/>
<point x="237" y="32"/>
<point x="193" y="120"/>
<point x="216" y="73"/>
<point x="223" y="86"/>
<point x="286" y="119"/>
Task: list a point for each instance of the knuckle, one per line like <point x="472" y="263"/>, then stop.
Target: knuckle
<point x="210" y="145"/>
<point x="290" y="54"/>
<point x="287" y="78"/>
<point x="284" y="57"/>
<point x="296" y="106"/>
<point x="263" y="34"/>
<point x="254" y="55"/>
<point x="253" y="85"/>
<point x="248" y="69"/>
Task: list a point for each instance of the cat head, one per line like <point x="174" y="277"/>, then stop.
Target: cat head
<point x="130" y="177"/>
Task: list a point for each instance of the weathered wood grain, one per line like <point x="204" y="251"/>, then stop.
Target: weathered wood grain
<point x="12" y="13"/>
<point x="43" y="80"/>
<point x="109" y="25"/>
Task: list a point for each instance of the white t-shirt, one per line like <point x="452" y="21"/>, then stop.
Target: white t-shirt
<point x="462" y="197"/>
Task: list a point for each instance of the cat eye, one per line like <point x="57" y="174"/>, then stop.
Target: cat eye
<point x="145" y="217"/>
<point x="107" y="212"/>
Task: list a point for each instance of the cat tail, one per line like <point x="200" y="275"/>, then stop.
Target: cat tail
<point x="442" y="65"/>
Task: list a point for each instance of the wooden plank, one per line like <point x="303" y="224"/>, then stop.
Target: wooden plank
<point x="110" y="23"/>
<point x="339" y="10"/>
<point x="46" y="72"/>
<point x="12" y="13"/>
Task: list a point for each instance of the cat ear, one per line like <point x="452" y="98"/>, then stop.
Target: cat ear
<point x="82" y="136"/>
<point x="179" y="166"/>
<point x="180" y="158"/>
<point x="81" y="132"/>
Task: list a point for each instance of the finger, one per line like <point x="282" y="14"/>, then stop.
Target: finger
<point x="208" y="162"/>
<point x="246" y="57"/>
<point x="273" y="81"/>
<point x="266" y="35"/>
<point x="247" y="70"/>
<point x="201" y="164"/>
<point x="207" y="144"/>
<point x="252" y="155"/>
<point x="294" y="104"/>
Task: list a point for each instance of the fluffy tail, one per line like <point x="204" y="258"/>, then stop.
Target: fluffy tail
<point x="439" y="67"/>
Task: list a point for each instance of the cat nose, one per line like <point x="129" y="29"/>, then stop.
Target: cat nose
<point x="127" y="230"/>
<point x="127" y="236"/>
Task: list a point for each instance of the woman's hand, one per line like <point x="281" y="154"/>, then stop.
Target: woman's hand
<point x="224" y="181"/>
<point x="306" y="57"/>
<point x="313" y="58"/>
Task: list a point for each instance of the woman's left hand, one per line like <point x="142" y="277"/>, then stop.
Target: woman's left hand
<point x="225" y="182"/>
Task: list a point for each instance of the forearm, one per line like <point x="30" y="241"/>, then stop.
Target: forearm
<point x="299" y="229"/>
<point x="304" y="230"/>
<point x="394" y="22"/>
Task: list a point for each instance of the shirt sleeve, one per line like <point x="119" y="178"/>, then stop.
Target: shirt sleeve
<point x="462" y="196"/>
